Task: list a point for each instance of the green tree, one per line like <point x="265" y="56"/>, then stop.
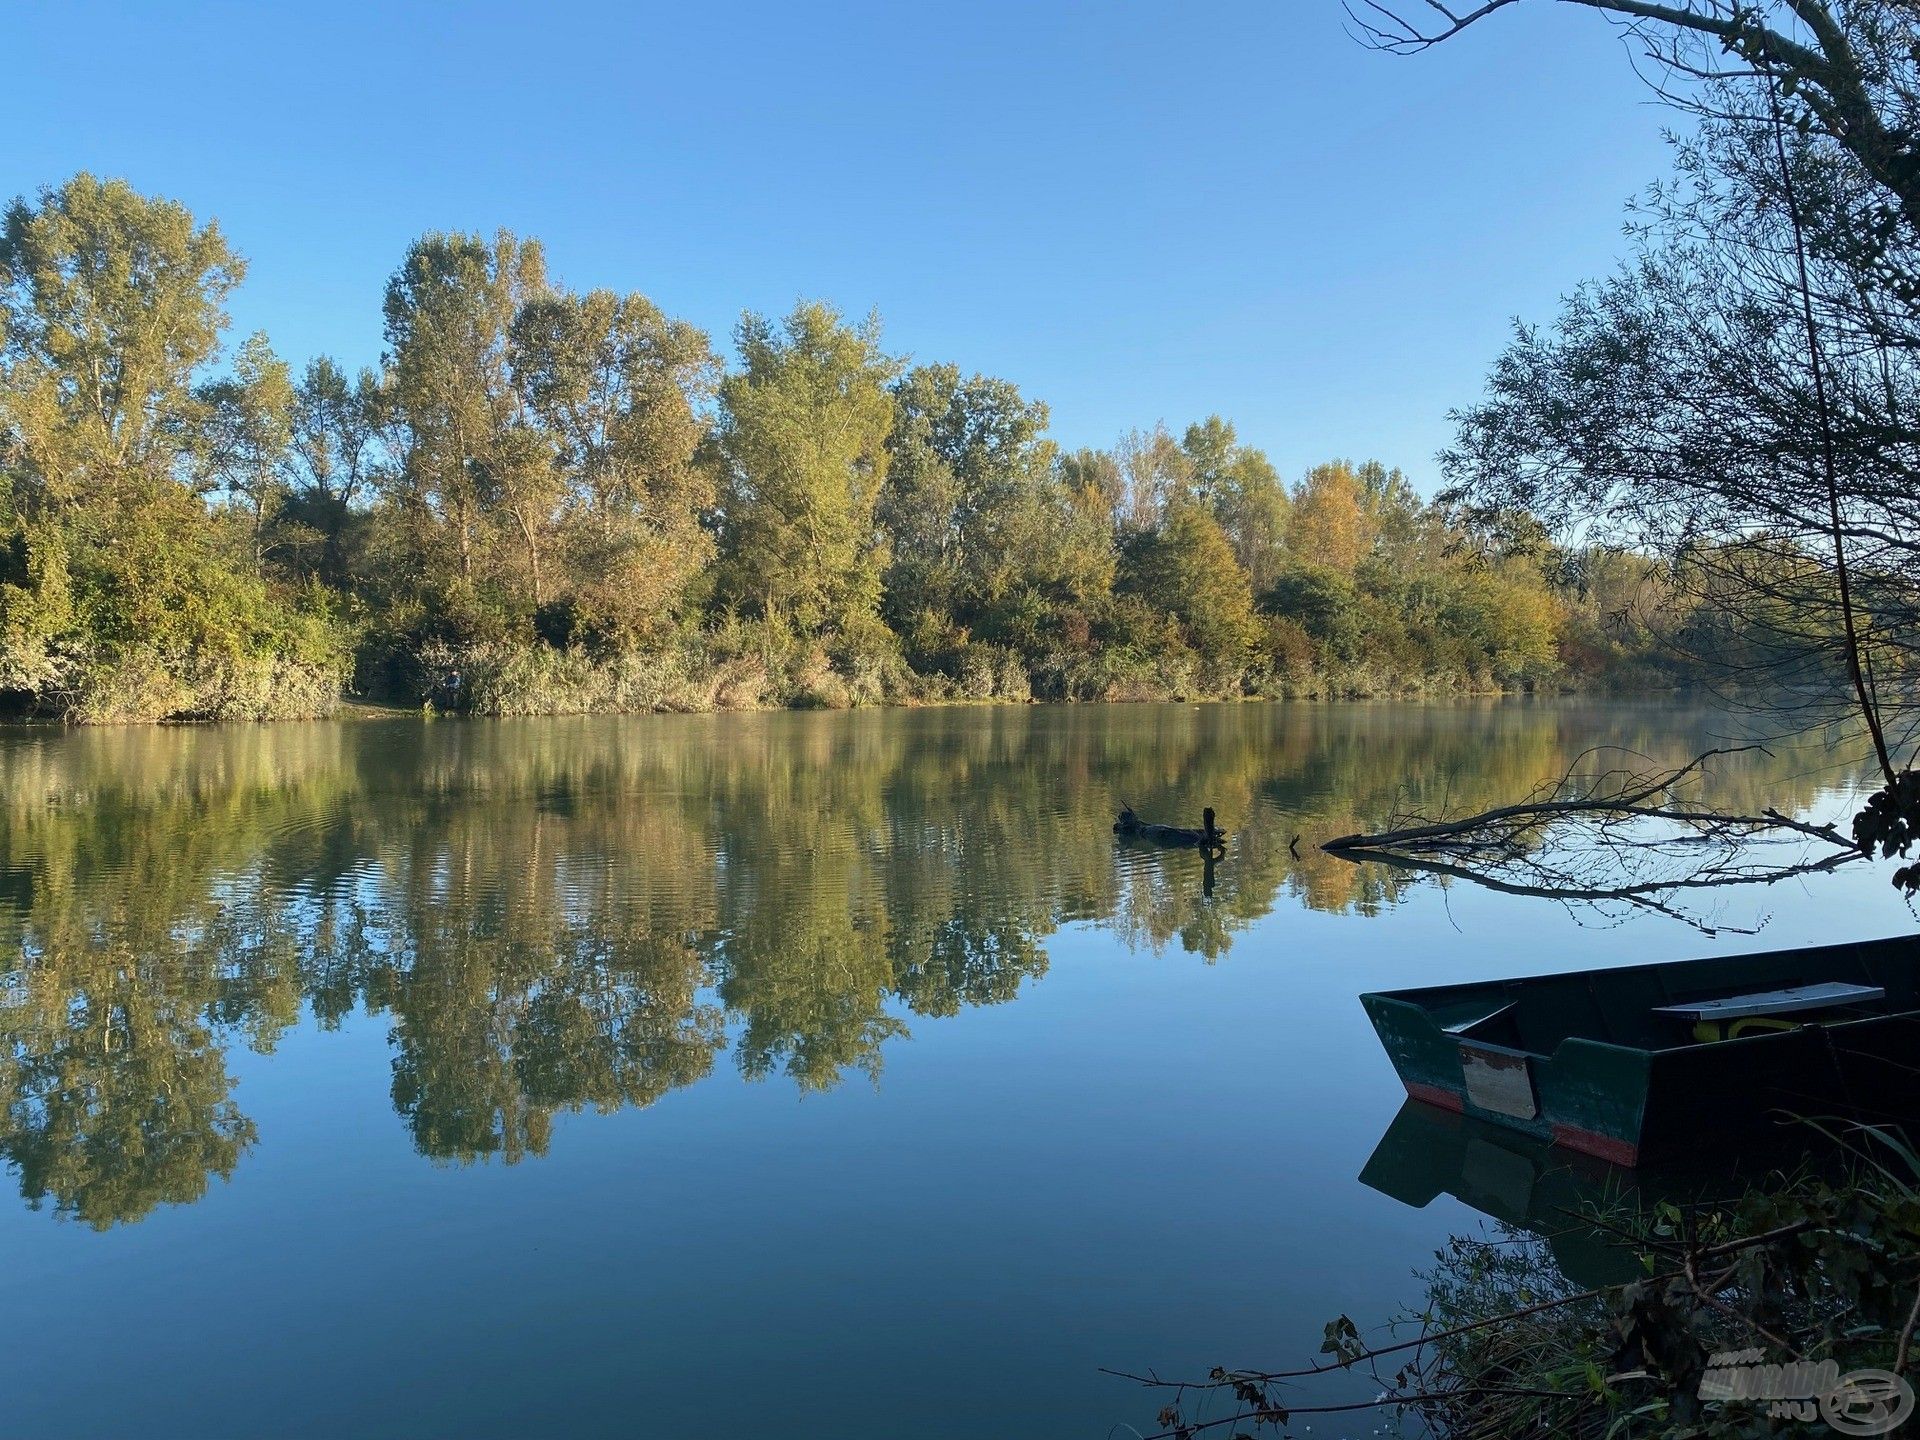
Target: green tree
<point x="112" y="305"/>
<point x="1323" y="602"/>
<point x="1694" y="407"/>
<point x="802" y="454"/>
<point x="968" y="509"/>
<point x="471" y="477"/>
<point x="1185" y="568"/>
<point x="334" y="463"/>
<point x="1243" y="490"/>
<point x="1094" y="476"/>
<point x="118" y="596"/>
<point x="246" y="430"/>
<point x="619" y="389"/>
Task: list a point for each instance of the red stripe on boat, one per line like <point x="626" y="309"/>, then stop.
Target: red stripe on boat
<point x="1607" y="1147"/>
<point x="1434" y="1095"/>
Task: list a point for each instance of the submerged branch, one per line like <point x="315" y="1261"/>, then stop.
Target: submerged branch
<point x="1647" y="893"/>
<point x="1619" y="837"/>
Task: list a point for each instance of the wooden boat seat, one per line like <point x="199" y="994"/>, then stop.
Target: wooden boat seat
<point x="1734" y="1015"/>
<point x="1473" y="1015"/>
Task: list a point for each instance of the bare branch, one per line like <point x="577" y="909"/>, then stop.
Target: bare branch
<point x="1616" y="837"/>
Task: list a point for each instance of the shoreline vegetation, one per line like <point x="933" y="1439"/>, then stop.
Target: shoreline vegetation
<point x="546" y="501"/>
<point x="348" y="708"/>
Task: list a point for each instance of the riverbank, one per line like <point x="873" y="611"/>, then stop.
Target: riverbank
<point x="362" y="707"/>
<point x="728" y="671"/>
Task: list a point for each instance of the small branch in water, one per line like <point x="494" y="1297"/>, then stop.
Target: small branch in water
<point x="1619" y="837"/>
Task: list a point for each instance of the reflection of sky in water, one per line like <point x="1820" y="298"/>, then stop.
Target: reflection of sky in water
<point x="1148" y="1158"/>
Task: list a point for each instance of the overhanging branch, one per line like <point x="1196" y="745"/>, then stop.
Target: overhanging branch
<point x="1621" y="837"/>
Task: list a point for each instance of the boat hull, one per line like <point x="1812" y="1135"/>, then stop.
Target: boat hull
<point x="1607" y="1082"/>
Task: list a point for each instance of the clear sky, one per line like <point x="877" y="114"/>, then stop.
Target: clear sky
<point x="1134" y="211"/>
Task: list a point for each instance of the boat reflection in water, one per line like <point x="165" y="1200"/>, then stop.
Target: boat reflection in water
<point x="1543" y="1189"/>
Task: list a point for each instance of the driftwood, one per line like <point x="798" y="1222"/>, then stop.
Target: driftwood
<point x="1625" y="837"/>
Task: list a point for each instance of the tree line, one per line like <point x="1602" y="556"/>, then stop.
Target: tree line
<point x="547" y="500"/>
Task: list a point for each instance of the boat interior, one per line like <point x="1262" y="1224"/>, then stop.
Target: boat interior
<point x="1681" y="1003"/>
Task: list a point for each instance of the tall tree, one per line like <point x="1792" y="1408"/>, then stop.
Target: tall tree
<point x="1094" y="476"/>
<point x="619" y="389"/>
<point x="118" y="596"/>
<point x="110" y="305"/>
<point x="1240" y="486"/>
<point x="1155" y="473"/>
<point x="802" y="453"/>
<point x="247" y="428"/>
<point x="1329" y="524"/>
<point x="1185" y="568"/>
<point x="334" y="460"/>
<point x="1672" y="408"/>
<point x="967" y="502"/>
<point x="468" y="470"/>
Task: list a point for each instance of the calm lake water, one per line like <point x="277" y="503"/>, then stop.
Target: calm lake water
<point x="809" y="1075"/>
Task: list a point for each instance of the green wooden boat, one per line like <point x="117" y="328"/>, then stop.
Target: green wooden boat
<point x="1648" y="1061"/>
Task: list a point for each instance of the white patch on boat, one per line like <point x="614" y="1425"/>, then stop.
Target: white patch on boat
<point x="1499" y="1081"/>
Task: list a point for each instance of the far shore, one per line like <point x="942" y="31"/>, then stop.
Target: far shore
<point x="361" y="709"/>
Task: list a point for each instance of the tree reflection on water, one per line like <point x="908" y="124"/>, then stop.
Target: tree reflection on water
<point x="559" y="914"/>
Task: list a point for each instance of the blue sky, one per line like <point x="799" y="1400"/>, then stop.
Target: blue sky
<point x="1136" y="212"/>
